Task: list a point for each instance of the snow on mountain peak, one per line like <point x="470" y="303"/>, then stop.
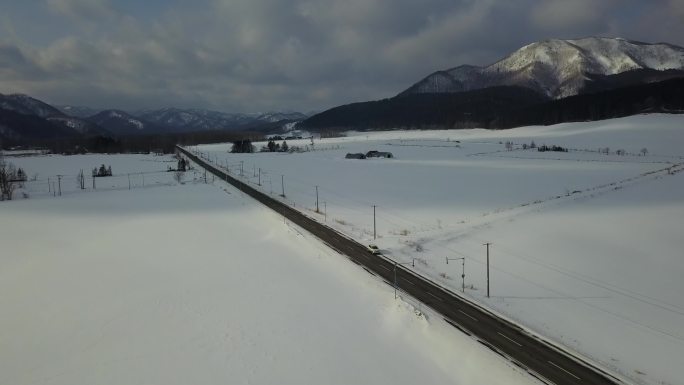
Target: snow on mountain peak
<point x="25" y="104"/>
<point x="557" y="68"/>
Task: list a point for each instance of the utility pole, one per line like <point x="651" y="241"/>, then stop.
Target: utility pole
<point x="49" y="190"/>
<point x="59" y="183"/>
<point x="242" y="163"/>
<point x="205" y="176"/>
<point x="94" y="183"/>
<point x="317" y="210"/>
<point x="487" y="244"/>
<point x="374" y="232"/>
<point x="259" y="176"/>
<point x="282" y="183"/>
<point x="129" y="181"/>
<point x="462" y="271"/>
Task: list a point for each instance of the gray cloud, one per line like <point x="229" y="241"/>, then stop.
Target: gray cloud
<point x="14" y="64"/>
<point x="250" y="55"/>
<point x="571" y="14"/>
<point x="83" y="10"/>
<point x="11" y="57"/>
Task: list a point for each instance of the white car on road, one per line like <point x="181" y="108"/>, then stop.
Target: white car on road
<point x="374" y="249"/>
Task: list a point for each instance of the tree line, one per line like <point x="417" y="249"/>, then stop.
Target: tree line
<point x="498" y="108"/>
<point x="153" y="143"/>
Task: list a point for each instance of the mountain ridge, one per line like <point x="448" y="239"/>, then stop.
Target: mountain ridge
<point x="25" y="120"/>
<point x="26" y="105"/>
<point x="176" y="119"/>
<point x="556" y="68"/>
<point x="499" y="108"/>
<point x="120" y="122"/>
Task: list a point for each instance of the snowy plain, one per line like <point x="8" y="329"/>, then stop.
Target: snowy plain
<point x="48" y="174"/>
<point x="587" y="248"/>
<point x="195" y="283"/>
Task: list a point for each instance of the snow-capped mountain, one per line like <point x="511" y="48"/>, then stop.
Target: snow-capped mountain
<point x="122" y="123"/>
<point x="79" y="111"/>
<point x="204" y="120"/>
<point x="557" y="68"/>
<point x="81" y="126"/>
<point x="273" y="117"/>
<point x="27" y="105"/>
<point x="194" y="119"/>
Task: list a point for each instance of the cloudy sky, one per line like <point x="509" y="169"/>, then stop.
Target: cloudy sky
<point x="303" y="55"/>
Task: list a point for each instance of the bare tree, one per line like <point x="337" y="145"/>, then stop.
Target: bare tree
<point x="644" y="151"/>
<point x="8" y="179"/>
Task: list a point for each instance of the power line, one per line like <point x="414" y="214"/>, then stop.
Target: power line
<point x="592" y="281"/>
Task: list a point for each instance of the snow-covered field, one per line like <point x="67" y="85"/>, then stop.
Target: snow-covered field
<point x="586" y="246"/>
<point x="196" y="284"/>
<point x="49" y="174"/>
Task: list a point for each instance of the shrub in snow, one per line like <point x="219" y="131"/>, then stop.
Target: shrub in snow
<point x="552" y="148"/>
<point x="242" y="146"/>
<point x="102" y="171"/>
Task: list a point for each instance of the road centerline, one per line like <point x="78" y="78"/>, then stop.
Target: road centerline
<point x="432" y="295"/>
<point x="467" y="315"/>
<point x="509" y="338"/>
<point x="550" y="362"/>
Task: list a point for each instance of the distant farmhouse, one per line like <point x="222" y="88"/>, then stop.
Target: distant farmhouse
<point x="355" y="156"/>
<point x="370" y="154"/>
<point x="379" y="154"/>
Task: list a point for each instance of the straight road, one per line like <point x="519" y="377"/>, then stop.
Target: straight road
<point x="539" y="358"/>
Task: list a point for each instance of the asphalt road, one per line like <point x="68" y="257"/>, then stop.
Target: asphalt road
<point x="539" y="358"/>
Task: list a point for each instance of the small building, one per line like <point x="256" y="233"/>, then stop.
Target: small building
<point x="379" y="154"/>
<point x="355" y="156"/>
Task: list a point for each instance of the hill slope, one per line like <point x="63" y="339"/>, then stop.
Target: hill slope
<point x="26" y="120"/>
<point x="121" y="123"/>
<point x="450" y="110"/>
<point x="666" y="96"/>
<point x="499" y="107"/>
<point x="194" y="119"/>
<point x="558" y="68"/>
<point x="27" y="105"/>
<point x="551" y="69"/>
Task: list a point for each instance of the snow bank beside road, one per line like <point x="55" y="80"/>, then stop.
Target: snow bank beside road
<point x="188" y="284"/>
